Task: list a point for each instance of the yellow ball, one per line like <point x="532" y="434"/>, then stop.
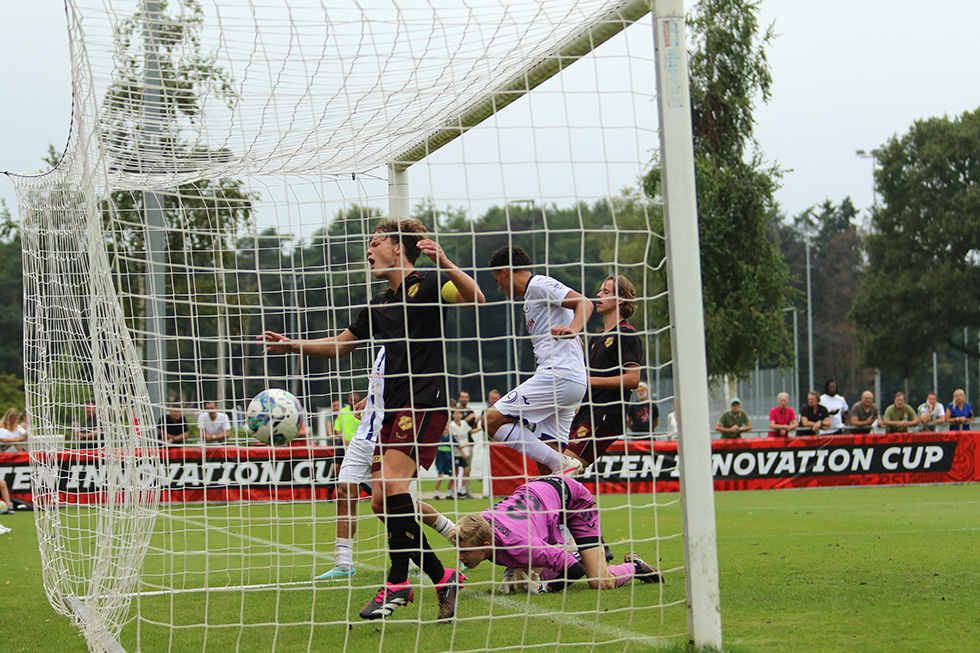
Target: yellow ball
<point x="449" y="293"/>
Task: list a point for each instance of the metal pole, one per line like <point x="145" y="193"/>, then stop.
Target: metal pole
<point x="935" y="373"/>
<point x="809" y="318"/>
<point x="155" y="225"/>
<point x="796" y="356"/>
<point x="687" y="320"/>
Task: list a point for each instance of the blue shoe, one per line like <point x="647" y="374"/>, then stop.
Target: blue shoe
<point x="340" y="572"/>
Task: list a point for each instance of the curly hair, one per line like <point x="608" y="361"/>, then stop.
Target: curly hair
<point x="407" y="233"/>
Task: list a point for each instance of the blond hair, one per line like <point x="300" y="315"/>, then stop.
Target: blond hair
<point x="9" y="420"/>
<point x="471" y="530"/>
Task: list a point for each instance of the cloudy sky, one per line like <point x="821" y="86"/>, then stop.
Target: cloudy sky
<point x="848" y="74"/>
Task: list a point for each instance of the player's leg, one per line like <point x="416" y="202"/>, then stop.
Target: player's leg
<point x="403" y="434"/>
<point x="355" y="470"/>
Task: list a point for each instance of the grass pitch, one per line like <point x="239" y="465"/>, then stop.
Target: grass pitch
<point x="841" y="569"/>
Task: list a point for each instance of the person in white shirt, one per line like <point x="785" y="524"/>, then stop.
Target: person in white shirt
<point x="836" y="405"/>
<point x="931" y="413"/>
<point x="212" y="426"/>
<point x="555" y="315"/>
<point x="10" y="436"/>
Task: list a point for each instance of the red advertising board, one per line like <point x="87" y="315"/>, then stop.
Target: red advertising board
<point x="764" y="463"/>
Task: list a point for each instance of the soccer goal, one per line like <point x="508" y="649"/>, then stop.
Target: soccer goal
<point x="227" y="165"/>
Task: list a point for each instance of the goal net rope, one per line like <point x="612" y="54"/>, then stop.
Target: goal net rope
<point x="227" y="164"/>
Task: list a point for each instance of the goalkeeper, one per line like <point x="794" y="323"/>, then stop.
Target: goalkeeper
<point x="523" y="532"/>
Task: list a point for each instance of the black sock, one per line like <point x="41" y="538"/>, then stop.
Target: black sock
<point x="406" y="541"/>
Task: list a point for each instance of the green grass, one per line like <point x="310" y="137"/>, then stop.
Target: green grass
<point x="841" y="569"/>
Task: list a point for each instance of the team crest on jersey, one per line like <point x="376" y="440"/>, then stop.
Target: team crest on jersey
<point x="405" y="425"/>
<point x="582" y="432"/>
<point x="609" y="342"/>
<point x="413" y="290"/>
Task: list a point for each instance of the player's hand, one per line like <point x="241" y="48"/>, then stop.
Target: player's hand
<point x="433" y="250"/>
<point x="563" y="331"/>
<point x="359" y="408"/>
<point x="276" y="343"/>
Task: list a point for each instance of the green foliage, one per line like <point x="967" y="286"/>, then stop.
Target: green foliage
<point x="836" y="270"/>
<point x="11" y="296"/>
<point x="11" y="391"/>
<point x="745" y="281"/>
<point x="923" y="275"/>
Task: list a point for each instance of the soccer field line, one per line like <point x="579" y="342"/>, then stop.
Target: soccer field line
<point x="869" y="533"/>
<point x="518" y="606"/>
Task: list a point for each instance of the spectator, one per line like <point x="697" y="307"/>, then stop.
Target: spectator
<point x="460" y="432"/>
<point x="899" y="416"/>
<point x="9" y="435"/>
<point x="88" y="435"/>
<point x="346" y="423"/>
<point x="173" y="427"/>
<point x="931" y="413"/>
<point x="864" y="413"/>
<point x="213" y="426"/>
<point x="643" y="417"/>
<point x="445" y="461"/>
<point x="814" y="417"/>
<point x="782" y="418"/>
<point x="836" y="406"/>
<point x="465" y="441"/>
<point x="733" y="422"/>
<point x="958" y="412"/>
<point x="5" y="505"/>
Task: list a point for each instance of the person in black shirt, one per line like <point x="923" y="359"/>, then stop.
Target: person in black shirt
<point x="614" y="371"/>
<point x="88" y="434"/>
<point x="173" y="427"/>
<point x="407" y="318"/>
<point x="814" y="417"/>
<point x="643" y="416"/>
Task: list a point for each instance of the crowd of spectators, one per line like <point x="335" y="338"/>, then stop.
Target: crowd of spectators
<point x="829" y="413"/>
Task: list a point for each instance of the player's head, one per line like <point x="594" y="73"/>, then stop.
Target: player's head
<point x="394" y="245"/>
<point x="473" y="537"/>
<point x="504" y="263"/>
<point x="615" y="291"/>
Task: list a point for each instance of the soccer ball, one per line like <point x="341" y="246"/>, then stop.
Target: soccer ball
<point x="274" y="416"/>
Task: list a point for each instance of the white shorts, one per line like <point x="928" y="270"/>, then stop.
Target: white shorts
<point x="356" y="467"/>
<point x="548" y="401"/>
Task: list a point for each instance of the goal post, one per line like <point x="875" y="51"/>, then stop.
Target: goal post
<point x="227" y="166"/>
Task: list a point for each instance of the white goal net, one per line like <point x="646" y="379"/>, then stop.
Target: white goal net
<point x="227" y="165"/>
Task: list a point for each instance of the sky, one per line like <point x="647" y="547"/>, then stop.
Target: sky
<point x="847" y="75"/>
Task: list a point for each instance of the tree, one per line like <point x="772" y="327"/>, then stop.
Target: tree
<point x="923" y="276"/>
<point x="746" y="283"/>
<point x="203" y="217"/>
<point x="11" y="296"/>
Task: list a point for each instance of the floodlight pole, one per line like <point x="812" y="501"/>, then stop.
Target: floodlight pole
<point x="153" y="112"/>
<point x="687" y="326"/>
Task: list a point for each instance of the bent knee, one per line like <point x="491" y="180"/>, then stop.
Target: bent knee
<point x="493" y="421"/>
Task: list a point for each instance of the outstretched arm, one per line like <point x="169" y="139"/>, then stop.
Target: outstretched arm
<point x="332" y="347"/>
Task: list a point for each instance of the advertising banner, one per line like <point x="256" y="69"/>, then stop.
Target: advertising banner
<point x="768" y="463"/>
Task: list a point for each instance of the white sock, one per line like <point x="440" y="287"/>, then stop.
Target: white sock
<point x="443" y="525"/>
<point x="526" y="443"/>
<point x="344" y="551"/>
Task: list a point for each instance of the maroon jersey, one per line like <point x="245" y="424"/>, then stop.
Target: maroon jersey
<point x="609" y="353"/>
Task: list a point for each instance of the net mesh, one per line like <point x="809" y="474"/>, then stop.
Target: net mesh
<point x="227" y="164"/>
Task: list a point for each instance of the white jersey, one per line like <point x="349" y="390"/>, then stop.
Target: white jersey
<point x="542" y="311"/>
<point x="374" y="408"/>
<point x="836" y="419"/>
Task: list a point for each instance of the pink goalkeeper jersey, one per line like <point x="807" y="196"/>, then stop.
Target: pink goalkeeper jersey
<point x="526" y="524"/>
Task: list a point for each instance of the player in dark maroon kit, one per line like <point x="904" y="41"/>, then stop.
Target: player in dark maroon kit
<point x="614" y="372"/>
<point x="408" y="320"/>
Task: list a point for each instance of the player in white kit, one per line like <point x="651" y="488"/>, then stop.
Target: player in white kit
<point x="355" y="472"/>
<point x="555" y="315"/>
